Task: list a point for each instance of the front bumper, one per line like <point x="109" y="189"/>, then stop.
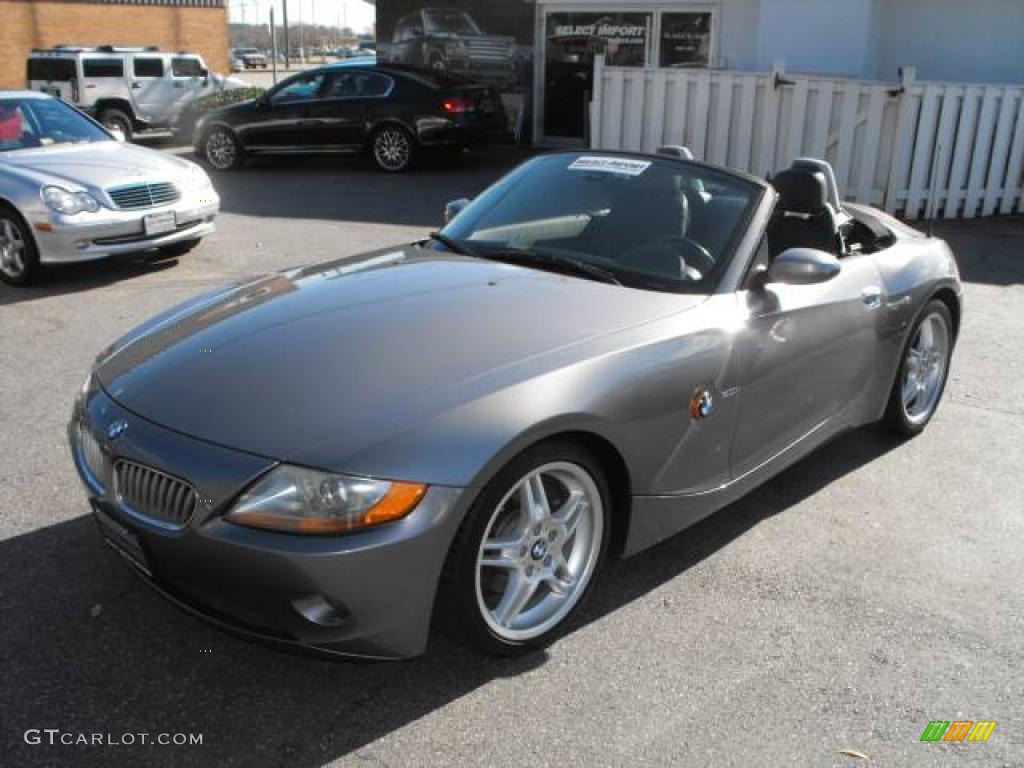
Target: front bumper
<point x="497" y="72"/>
<point x="368" y="594"/>
<point x="89" y="236"/>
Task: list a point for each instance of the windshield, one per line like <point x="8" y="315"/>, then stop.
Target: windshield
<point x="450" y="22"/>
<point x="26" y="123"/>
<point x="652" y="223"/>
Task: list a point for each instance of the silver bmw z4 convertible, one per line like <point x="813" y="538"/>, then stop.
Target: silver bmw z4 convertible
<point x="598" y="351"/>
<point x="71" y="191"/>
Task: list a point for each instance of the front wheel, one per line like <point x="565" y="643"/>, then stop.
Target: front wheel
<point x="529" y="550"/>
<point x="19" y="259"/>
<point x="393" y="148"/>
<point x="222" y="149"/>
<point x="117" y="120"/>
<point x="923" y="371"/>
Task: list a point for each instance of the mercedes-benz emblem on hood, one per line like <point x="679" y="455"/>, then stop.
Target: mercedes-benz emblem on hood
<point x="116" y="429"/>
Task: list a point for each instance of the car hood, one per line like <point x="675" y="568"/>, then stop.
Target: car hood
<point x="293" y="365"/>
<point x="95" y="166"/>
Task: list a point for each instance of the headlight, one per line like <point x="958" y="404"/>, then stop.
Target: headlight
<point x="197" y="178"/>
<point x="68" y="203"/>
<point x="300" y="500"/>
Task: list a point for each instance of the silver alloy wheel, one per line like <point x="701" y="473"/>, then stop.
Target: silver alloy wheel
<point x="925" y="368"/>
<point x="220" y="150"/>
<point x="12" y="248"/>
<point x="539" y="551"/>
<point x="391" y="148"/>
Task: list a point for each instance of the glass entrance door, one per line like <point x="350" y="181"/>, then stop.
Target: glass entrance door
<point x="572" y="39"/>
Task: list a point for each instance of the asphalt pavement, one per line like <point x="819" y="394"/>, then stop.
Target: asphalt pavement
<point x="822" y="621"/>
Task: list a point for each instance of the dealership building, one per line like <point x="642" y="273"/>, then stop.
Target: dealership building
<point x="541" y="53"/>
<point x="198" y="26"/>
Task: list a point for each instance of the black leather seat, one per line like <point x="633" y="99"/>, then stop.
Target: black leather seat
<point x="802" y="218"/>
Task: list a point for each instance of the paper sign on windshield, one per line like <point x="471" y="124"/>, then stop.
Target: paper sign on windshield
<point x="624" y="165"/>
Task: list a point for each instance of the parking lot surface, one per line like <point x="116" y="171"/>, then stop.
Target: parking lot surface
<point x="868" y="590"/>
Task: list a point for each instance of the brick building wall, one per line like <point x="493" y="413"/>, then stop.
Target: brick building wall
<point x="199" y="26"/>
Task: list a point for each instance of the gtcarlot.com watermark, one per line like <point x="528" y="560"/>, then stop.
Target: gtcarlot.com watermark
<point x="55" y="736"/>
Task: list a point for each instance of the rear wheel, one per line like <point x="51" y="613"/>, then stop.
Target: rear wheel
<point x="116" y="120"/>
<point x="222" y="149"/>
<point x="529" y="550"/>
<point x="393" y="148"/>
<point x="19" y="258"/>
<point x="923" y="371"/>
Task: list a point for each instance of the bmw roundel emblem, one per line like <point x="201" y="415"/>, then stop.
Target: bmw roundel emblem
<point x="116" y="429"/>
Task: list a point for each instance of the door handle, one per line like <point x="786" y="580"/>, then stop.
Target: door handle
<point x="179" y="85"/>
<point x="136" y="86"/>
<point x="872" y="297"/>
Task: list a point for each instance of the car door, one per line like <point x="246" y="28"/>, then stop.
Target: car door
<point x="188" y="78"/>
<point x="285" y="121"/>
<point x="151" y="88"/>
<point x="351" y="98"/>
<point x="806" y="352"/>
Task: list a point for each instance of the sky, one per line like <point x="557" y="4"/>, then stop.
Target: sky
<point x="349" y="13"/>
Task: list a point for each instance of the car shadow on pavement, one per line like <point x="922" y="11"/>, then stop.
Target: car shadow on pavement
<point x="84" y="276"/>
<point x="90" y="649"/>
<point x="354" y="189"/>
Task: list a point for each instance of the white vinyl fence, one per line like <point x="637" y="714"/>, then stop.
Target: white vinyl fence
<point x="919" y="149"/>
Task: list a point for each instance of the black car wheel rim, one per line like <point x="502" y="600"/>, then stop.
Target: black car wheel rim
<point x="220" y="150"/>
<point x="391" y="148"/>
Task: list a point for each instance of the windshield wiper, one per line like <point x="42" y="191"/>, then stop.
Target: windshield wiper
<point x="454" y="245"/>
<point x="548" y="258"/>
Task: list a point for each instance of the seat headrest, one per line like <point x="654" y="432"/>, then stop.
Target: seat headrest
<point x="801" y="191"/>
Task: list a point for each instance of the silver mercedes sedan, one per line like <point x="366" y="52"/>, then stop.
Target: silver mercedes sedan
<point x="595" y="353"/>
<point x="70" y="191"/>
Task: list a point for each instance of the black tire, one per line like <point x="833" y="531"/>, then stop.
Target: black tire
<point x="111" y="118"/>
<point x="222" y="149"/>
<point x="897" y="417"/>
<point x="179" y="248"/>
<point x="459" y="611"/>
<point x="18" y="267"/>
<point x="393" y="148"/>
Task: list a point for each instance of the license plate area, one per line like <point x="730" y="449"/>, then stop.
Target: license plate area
<point x="159" y="223"/>
<point x="121" y="540"/>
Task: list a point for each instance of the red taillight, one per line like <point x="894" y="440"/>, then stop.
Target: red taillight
<point x="458" y="104"/>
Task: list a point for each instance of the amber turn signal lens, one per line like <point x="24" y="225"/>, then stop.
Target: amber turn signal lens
<point x="400" y="500"/>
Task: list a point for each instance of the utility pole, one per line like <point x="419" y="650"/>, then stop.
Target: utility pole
<point x="273" y="44"/>
<point x="302" y="38"/>
<point x="287" y="49"/>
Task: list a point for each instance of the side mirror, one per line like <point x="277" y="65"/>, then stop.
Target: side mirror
<point x="802" y="266"/>
<point x="118" y="134"/>
<point x="454" y="208"/>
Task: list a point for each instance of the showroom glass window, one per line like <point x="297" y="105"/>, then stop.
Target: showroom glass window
<point x="103" y="68"/>
<point x="572" y="41"/>
<point x="685" y="40"/>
